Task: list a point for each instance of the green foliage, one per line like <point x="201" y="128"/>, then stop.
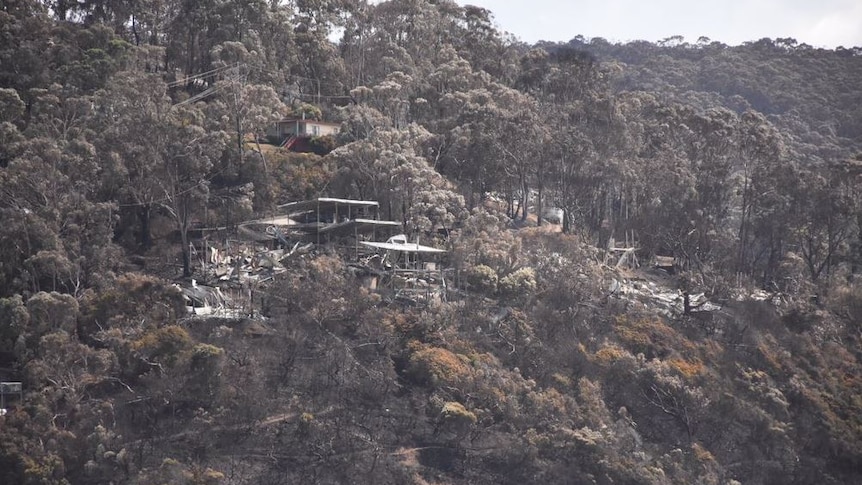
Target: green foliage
<point x="455" y="411"/>
<point x="49" y="269"/>
<point x="167" y="344"/>
<point x="15" y="318"/>
<point x="174" y="472"/>
<point x="11" y="106"/>
<point x="135" y="302"/>
<point x="205" y="379"/>
<point x="50" y="312"/>
<point x="456" y="418"/>
<point x="520" y="285"/>
<point x="486" y="240"/>
<point x="390" y="167"/>
<point x="482" y="279"/>
<point x="48" y="471"/>
<point x="290" y="177"/>
<point x="322" y="145"/>
<point x="204" y="354"/>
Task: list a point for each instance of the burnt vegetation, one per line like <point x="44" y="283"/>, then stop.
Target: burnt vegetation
<point x="652" y="259"/>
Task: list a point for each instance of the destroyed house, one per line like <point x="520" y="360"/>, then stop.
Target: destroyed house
<point x="329" y="210"/>
<point x="410" y="270"/>
<point x="325" y="218"/>
<point x="347" y="227"/>
<point x="201" y="299"/>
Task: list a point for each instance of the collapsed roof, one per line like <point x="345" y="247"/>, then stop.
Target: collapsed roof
<point x="399" y="243"/>
<point x="325" y="204"/>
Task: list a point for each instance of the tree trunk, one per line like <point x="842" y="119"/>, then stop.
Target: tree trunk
<point x="539" y="205"/>
<point x="856" y="256"/>
<point x="742" y="236"/>
<point x="187" y="257"/>
<point x="144" y="237"/>
<point x="135" y="31"/>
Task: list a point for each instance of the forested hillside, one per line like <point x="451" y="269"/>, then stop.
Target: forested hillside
<point x="731" y="354"/>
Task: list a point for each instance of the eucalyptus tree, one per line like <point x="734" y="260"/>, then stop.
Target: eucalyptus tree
<point x="580" y="119"/>
<point x="826" y="207"/>
<point x="483" y="46"/>
<point x="697" y="201"/>
<point x="59" y="231"/>
<point x="765" y="181"/>
<point x="390" y="166"/>
<point x="412" y="37"/>
<point x="11" y="111"/>
<point x="160" y="154"/>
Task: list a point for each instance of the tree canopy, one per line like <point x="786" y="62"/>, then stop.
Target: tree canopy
<point x="129" y="128"/>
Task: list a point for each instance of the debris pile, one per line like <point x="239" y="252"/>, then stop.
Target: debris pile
<point x="776" y="299"/>
<point x="403" y="269"/>
<point x="238" y="267"/>
<point x="650" y="294"/>
<point x="244" y="262"/>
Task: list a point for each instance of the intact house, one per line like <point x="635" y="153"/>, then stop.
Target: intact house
<point x="296" y="134"/>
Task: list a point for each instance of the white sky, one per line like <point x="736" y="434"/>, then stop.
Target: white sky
<point x="820" y="23"/>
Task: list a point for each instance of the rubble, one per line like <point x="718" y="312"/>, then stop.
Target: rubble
<point x="776" y="299"/>
<point x="238" y="267"/>
<point x="209" y="301"/>
<point x="668" y="302"/>
<point x="402" y="268"/>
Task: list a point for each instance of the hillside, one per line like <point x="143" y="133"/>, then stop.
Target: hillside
<point x="621" y="263"/>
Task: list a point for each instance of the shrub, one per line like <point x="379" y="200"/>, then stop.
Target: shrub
<point x="482" y="279"/>
<point x="204" y="356"/>
<point x="519" y="285"/>
<point x="610" y="354"/>
<point x="616" y="364"/>
<point x="846" y="302"/>
<point x="560" y="380"/>
<point x="651" y="337"/>
<point x="454" y="411"/>
<point x="486" y="240"/>
<point x="435" y="366"/>
<point x="205" y="378"/>
<point x="166" y="344"/>
<point x="133" y="303"/>
<point x="688" y="369"/>
<point x="456" y="419"/>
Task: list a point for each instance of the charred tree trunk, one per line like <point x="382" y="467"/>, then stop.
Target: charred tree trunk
<point x="187" y="257"/>
<point x="539" y="206"/>
<point x="145" y="239"/>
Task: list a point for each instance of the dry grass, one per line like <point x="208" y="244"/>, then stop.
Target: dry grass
<point x="688" y="369"/>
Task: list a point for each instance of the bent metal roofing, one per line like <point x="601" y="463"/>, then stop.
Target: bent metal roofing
<point x="403" y="247"/>
<point x="325" y="203"/>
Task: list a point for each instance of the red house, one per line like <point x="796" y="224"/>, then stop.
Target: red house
<point x="296" y="134"/>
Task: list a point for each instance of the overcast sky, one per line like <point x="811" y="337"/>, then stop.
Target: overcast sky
<point x="821" y="23"/>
